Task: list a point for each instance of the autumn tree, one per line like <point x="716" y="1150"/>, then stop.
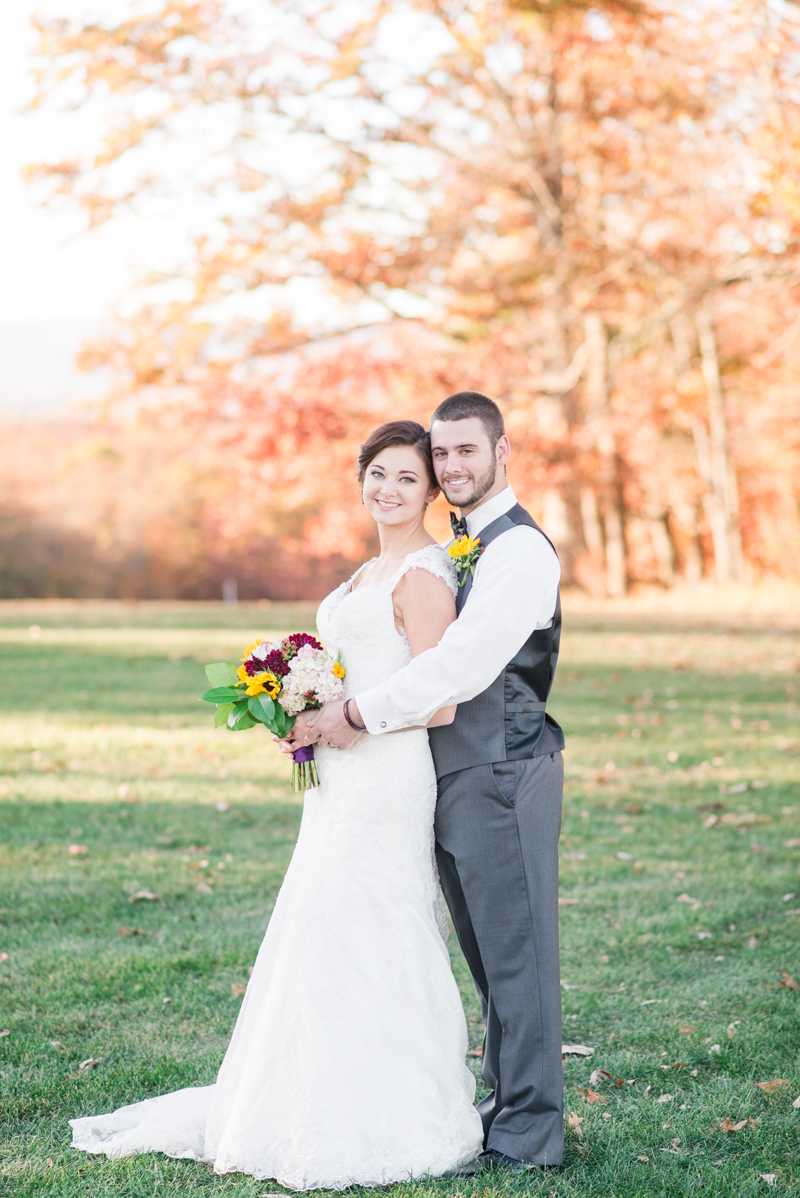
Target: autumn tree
<point x="552" y="202"/>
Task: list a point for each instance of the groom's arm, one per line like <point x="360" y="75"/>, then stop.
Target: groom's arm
<point x="513" y="592"/>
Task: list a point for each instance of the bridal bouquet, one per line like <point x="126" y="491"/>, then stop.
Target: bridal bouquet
<point x="275" y="682"/>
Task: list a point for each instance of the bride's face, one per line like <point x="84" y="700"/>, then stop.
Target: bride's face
<point x="396" y="486"/>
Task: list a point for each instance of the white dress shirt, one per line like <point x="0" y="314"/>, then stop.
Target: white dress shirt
<point x="513" y="592"/>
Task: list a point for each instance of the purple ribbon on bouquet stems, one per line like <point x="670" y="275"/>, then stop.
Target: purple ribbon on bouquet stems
<point x="304" y="768"/>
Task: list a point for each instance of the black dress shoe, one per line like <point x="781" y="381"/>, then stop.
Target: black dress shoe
<point x="492" y="1159"/>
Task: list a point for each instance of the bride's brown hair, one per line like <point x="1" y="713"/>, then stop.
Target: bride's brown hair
<point x="397" y="432"/>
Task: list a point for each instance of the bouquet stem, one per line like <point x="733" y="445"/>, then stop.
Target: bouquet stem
<point x="304" y="769"/>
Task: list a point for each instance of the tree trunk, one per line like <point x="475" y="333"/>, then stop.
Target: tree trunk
<point x="713" y="457"/>
<point x="599" y="424"/>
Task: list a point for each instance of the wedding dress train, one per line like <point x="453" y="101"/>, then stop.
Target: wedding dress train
<point x="347" y="1062"/>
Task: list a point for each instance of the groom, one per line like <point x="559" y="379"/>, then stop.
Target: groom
<point x="499" y="773"/>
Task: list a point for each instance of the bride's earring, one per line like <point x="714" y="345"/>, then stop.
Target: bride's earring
<point x="427" y="507"/>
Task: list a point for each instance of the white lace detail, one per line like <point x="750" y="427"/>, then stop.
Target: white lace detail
<point x="346" y="1065"/>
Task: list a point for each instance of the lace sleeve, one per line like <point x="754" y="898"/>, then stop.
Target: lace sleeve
<point x="436" y="561"/>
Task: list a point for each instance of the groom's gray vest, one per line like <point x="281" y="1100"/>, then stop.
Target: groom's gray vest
<point x="507" y="721"/>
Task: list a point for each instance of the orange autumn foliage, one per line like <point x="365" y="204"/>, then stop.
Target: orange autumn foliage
<point x="589" y="212"/>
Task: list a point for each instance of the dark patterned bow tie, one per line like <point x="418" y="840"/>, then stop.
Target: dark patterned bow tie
<point x="459" y="527"/>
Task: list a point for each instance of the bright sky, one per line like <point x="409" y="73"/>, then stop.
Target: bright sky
<point x="46" y="271"/>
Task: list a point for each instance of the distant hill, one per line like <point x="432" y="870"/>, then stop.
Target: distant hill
<point x="38" y="376"/>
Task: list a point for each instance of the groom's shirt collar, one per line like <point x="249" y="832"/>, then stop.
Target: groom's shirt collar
<point x="495" y="507"/>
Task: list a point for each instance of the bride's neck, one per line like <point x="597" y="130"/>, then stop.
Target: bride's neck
<point x="398" y="540"/>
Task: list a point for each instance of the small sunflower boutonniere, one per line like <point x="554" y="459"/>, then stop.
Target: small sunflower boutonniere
<point x="465" y="552"/>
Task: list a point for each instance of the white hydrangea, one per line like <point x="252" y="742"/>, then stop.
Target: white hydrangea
<point x="309" y="670"/>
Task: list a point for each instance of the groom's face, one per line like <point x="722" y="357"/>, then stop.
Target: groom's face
<point x="465" y="460"/>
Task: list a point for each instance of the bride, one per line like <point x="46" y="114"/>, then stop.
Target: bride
<point x="347" y="1062"/>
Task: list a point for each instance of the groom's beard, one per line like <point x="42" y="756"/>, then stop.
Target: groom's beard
<point x="464" y="497"/>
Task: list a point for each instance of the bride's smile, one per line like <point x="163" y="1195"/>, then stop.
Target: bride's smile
<point x="396" y="487"/>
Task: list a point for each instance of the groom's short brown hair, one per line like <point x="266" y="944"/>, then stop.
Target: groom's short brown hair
<point x="471" y="403"/>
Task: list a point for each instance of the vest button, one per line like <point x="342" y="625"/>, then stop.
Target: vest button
<point x="383" y="723"/>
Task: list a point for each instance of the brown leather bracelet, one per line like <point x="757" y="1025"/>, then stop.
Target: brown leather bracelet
<point x="352" y="723"/>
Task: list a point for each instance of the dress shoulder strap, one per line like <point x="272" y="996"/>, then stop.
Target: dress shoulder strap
<point x="435" y="560"/>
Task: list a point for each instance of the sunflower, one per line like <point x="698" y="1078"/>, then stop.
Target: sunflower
<point x="260" y="683"/>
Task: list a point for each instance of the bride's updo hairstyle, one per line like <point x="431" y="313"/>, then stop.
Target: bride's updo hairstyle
<point x="397" y="432"/>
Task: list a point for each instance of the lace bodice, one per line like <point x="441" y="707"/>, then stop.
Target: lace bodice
<point x="360" y="623"/>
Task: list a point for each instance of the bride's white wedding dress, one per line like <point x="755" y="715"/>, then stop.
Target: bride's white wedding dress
<point x="347" y="1062"/>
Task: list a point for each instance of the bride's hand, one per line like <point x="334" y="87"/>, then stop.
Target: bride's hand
<point x="301" y="734"/>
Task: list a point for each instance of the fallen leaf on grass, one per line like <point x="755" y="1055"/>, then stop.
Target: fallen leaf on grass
<point x="686" y="1029"/>
<point x="237" y="989"/>
<point x="591" y="1095"/>
<point x="576" y="1050"/>
<point x="687" y="898"/>
<point x="57" y="1044"/>
<point x="143" y="894"/>
<point x="787" y="982"/>
<point x="768" y="1087"/>
<point x="5" y="1032"/>
<point x="715" y="1048"/>
<point x="624" y="856"/>
<point x="604" y="960"/>
<point x="567" y="902"/>
<point x="729" y="1125"/>
<point x="703" y="935"/>
<point x="737" y="819"/>
<point x="787" y="897"/>
<point x="792" y="844"/>
<point x="795" y="1104"/>
<point x="599" y="1075"/>
<point x="606" y="1114"/>
<point x="89" y="1063"/>
<point x="3" y="957"/>
<point x="769" y="1178"/>
<point x="648" y="1002"/>
<point x="77" y="850"/>
<point x="575" y="1122"/>
<point x="123" y="931"/>
<point x="475" y="1052"/>
<point x="646" y="1159"/>
<point x="49" y="1162"/>
<point x="204" y="888"/>
<point x="710" y="821"/>
<point x="664" y="1098"/>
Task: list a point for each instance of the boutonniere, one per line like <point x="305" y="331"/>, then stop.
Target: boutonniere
<point x="465" y="552"/>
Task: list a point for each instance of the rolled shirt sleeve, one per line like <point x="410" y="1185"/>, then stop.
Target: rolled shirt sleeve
<point x="513" y="592"/>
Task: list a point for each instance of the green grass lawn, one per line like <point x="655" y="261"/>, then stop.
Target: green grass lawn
<point x="680" y="890"/>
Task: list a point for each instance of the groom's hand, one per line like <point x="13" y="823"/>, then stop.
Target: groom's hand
<point x="333" y="729"/>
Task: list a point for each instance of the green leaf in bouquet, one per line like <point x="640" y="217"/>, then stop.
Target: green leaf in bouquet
<point x="219" y="673"/>
<point x="239" y="718"/>
<point x="263" y="708"/>
<point x="222" y="713"/>
<point x="222" y="694"/>
<point x="284" y="723"/>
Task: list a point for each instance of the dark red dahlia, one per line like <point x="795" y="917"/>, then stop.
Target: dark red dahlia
<point x="298" y="639"/>
<point x="276" y="662"/>
<point x="255" y="665"/>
